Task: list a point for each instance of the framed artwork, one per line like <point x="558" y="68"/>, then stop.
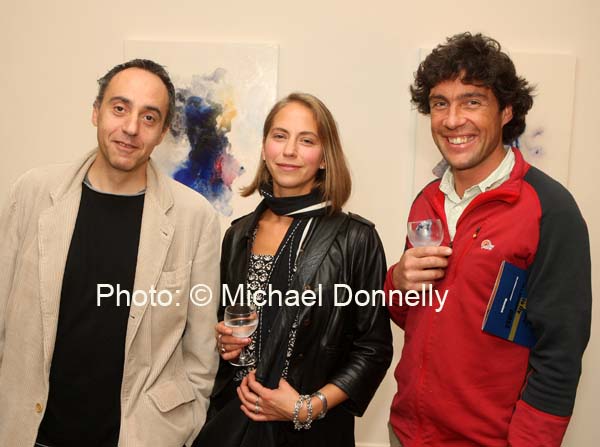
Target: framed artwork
<point x="223" y="94"/>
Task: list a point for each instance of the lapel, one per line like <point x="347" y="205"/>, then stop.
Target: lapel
<point x="156" y="235"/>
<point x="309" y="261"/>
<point x="55" y="230"/>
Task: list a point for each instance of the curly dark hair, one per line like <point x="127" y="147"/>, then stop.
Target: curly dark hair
<point x="149" y="66"/>
<point x="477" y="60"/>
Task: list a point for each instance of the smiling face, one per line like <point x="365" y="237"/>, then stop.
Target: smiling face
<point x="130" y="121"/>
<point x="466" y="125"/>
<point x="292" y="151"/>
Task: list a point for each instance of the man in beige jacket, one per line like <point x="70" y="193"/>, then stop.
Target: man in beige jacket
<point x="106" y="330"/>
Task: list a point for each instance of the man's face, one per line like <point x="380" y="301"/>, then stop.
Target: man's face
<point x="130" y="119"/>
<point x="466" y="125"/>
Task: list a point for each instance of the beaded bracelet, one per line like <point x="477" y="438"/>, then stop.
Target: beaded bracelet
<point x="297" y="424"/>
<point x="309" y="410"/>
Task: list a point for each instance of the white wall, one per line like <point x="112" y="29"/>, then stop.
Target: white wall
<point x="357" y="56"/>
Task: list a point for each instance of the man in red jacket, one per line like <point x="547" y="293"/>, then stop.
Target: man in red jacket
<point x="457" y="384"/>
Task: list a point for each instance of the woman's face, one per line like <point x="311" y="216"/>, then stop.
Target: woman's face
<point x="292" y="151"/>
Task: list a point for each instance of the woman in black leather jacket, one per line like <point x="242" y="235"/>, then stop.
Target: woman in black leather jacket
<point x="321" y="352"/>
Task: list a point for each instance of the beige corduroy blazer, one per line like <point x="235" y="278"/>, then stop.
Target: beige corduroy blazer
<point x="170" y="357"/>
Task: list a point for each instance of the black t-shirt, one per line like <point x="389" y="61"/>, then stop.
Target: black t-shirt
<point x="87" y="365"/>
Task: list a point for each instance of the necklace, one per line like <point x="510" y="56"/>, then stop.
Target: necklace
<point x="290" y="238"/>
<point x="259" y="280"/>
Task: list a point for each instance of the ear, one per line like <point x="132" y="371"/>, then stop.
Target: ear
<point x="323" y="163"/>
<point x="507" y="115"/>
<point x="95" y="111"/>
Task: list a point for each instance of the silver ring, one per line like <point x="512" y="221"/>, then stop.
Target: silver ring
<point x="256" y="408"/>
<point x="223" y="351"/>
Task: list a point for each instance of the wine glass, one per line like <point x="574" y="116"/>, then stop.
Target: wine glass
<point x="425" y="233"/>
<point x="243" y="319"/>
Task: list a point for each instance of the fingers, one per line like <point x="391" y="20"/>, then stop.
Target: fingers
<point x="264" y="404"/>
<point x="233" y="342"/>
<point x="220" y="328"/>
<point x="224" y="335"/>
<point x="229" y="351"/>
<point x="230" y="355"/>
<point x="247" y="397"/>
<point x="229" y="347"/>
<point x="253" y="406"/>
<point x="426" y="262"/>
<point x="415" y="279"/>
<point x="260" y="417"/>
<point x="255" y="386"/>
<point x="421" y="252"/>
<point x="420" y="266"/>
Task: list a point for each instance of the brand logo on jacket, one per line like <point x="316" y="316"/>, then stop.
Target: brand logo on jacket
<point x="487" y="245"/>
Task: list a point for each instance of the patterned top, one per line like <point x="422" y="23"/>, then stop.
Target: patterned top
<point x="259" y="272"/>
<point x="260" y="268"/>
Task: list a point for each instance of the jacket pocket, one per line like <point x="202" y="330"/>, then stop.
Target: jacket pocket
<point x="174" y="286"/>
<point x="175" y="278"/>
<point x="171" y="394"/>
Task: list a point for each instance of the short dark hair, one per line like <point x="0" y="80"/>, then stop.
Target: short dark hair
<point x="144" y="64"/>
<point x="478" y="60"/>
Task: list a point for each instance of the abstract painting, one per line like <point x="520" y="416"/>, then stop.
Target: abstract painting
<point x="546" y="142"/>
<point x="223" y="94"/>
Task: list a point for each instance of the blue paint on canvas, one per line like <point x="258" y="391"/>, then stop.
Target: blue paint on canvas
<point x="210" y="168"/>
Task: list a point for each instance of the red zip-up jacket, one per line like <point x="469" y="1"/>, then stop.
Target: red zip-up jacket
<point x="460" y="386"/>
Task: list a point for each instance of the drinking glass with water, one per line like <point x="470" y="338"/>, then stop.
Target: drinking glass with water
<point x="243" y="320"/>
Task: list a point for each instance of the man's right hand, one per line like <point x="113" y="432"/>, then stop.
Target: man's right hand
<point x="420" y="266"/>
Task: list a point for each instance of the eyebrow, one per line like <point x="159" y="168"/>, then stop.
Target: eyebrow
<point x="129" y="102"/>
<point x="304" y="132"/>
<point x="473" y="95"/>
<point x="308" y="132"/>
<point x="463" y="96"/>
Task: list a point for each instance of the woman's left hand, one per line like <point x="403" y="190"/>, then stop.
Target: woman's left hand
<point x="264" y="404"/>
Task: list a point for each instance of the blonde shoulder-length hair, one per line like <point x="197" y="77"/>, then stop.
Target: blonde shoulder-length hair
<point x="334" y="181"/>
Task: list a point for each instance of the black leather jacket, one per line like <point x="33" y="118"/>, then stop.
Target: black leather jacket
<point x="349" y="346"/>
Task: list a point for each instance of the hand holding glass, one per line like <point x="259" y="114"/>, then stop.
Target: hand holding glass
<point x="426" y="233"/>
<point x="243" y="320"/>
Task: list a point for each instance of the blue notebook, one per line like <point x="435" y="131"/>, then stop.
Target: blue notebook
<point x="506" y="314"/>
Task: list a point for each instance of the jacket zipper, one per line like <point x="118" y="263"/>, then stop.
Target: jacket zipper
<point x="427" y="351"/>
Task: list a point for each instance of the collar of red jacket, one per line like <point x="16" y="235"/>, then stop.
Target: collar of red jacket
<point x="508" y="192"/>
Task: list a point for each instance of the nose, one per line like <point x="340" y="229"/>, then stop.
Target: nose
<point x="131" y="125"/>
<point x="289" y="150"/>
<point x="454" y="117"/>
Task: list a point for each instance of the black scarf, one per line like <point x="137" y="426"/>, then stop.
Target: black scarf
<point x="308" y="205"/>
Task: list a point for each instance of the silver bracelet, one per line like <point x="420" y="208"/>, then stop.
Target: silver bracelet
<point x="309" y="410"/>
<point x="323" y="400"/>
<point x="297" y="406"/>
<point x="303" y="398"/>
